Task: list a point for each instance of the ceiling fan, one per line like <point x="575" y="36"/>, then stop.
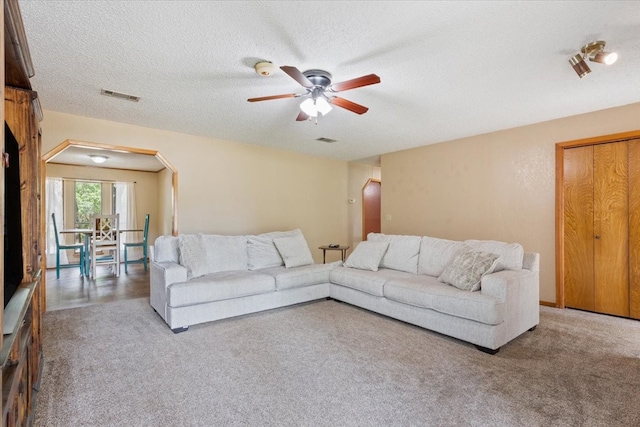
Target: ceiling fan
<point x="319" y="89"/>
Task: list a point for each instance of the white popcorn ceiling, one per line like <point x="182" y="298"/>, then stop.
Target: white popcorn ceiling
<point x="449" y="69"/>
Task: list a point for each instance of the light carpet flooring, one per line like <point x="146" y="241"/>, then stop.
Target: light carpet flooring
<point x="331" y="364"/>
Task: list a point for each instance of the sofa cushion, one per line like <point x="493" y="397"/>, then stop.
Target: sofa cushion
<point x="367" y="255"/>
<point x="436" y="254"/>
<point x="428" y="292"/>
<point x="219" y="286"/>
<point x="225" y="253"/>
<point x="511" y="254"/>
<point x="294" y="250"/>
<point x="299" y="277"/>
<point x="263" y="253"/>
<point x="365" y="281"/>
<point x="402" y="254"/>
<point x="467" y="268"/>
<point x="166" y="249"/>
<point x="192" y="255"/>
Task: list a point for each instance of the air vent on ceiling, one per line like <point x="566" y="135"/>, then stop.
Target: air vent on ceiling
<point x="119" y="95"/>
<point x="327" y="140"/>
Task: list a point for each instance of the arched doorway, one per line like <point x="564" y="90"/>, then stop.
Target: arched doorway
<point x="371" y="207"/>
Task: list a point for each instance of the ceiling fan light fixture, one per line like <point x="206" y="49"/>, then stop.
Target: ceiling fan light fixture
<point x="581" y="68"/>
<point x="308" y="106"/>
<point x="323" y="106"/>
<point x="98" y="159"/>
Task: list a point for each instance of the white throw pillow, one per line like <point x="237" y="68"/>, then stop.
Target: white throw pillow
<point x="436" y="254"/>
<point x="294" y="251"/>
<point x="166" y="249"/>
<point x="467" y="268"/>
<point x="511" y="254"/>
<point x="402" y="253"/>
<point x="367" y="255"/>
<point x="192" y="255"/>
<point x="225" y="253"/>
<point x="263" y="253"/>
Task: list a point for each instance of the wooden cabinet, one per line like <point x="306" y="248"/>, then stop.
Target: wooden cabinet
<point x="21" y="346"/>
<point x="602" y="228"/>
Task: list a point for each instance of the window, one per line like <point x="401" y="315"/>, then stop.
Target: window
<point x="88" y="202"/>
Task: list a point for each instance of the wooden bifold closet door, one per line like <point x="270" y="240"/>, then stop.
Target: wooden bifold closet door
<point x="602" y="228"/>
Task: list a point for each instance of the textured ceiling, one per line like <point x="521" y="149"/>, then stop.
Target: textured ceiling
<point x="448" y="69"/>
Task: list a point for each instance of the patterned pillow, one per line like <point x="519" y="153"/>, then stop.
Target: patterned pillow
<point x="367" y="255"/>
<point x="294" y="251"/>
<point x="467" y="268"/>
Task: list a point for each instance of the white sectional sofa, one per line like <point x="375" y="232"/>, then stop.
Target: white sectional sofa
<point x="482" y="292"/>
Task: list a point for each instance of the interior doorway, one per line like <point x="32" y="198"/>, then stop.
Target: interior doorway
<point x="371" y="207"/>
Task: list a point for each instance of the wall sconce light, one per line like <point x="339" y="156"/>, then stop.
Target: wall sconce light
<point x="595" y="52"/>
<point x="98" y="159"/>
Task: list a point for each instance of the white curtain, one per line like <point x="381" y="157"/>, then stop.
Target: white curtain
<point x="126" y="207"/>
<point x="54" y="204"/>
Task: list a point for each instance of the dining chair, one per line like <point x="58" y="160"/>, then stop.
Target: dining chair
<point x="142" y="245"/>
<point x="104" y="246"/>
<point x="76" y="246"/>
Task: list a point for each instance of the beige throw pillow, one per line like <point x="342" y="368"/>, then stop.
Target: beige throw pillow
<point x="467" y="268"/>
<point x="294" y="251"/>
<point x="367" y="255"/>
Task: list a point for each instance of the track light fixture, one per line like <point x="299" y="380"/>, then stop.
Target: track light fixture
<point x="594" y="51"/>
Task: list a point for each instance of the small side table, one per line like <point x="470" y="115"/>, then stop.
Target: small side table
<point x="343" y="249"/>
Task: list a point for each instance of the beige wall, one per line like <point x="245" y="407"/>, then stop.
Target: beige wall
<point x="146" y="190"/>
<point x="359" y="174"/>
<point x="165" y="202"/>
<point x="496" y="186"/>
<point x="228" y="187"/>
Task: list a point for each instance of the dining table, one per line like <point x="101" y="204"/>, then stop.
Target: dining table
<point x="86" y="234"/>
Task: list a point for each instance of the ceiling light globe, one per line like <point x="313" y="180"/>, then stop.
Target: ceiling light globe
<point x="323" y="106"/>
<point x="309" y="108"/>
<point x="98" y="159"/>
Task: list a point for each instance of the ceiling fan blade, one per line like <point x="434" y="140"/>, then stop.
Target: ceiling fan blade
<point x="297" y="75"/>
<point x="348" y="105"/>
<point x="266" y="98"/>
<point x="302" y="117"/>
<point x="370" y="79"/>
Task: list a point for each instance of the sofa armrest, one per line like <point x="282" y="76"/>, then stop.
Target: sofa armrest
<point x="498" y="284"/>
<point x="164" y="274"/>
<point x="520" y="292"/>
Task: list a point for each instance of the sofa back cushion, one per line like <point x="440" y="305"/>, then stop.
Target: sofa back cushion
<point x="166" y="249"/>
<point x="225" y="253"/>
<point x="262" y="251"/>
<point x="510" y="254"/>
<point x="192" y="255"/>
<point x="436" y="254"/>
<point x="402" y="253"/>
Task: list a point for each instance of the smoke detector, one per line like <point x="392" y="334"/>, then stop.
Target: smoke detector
<point x="265" y="68"/>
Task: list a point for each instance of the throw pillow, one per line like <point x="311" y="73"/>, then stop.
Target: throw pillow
<point x="467" y="268"/>
<point x="294" y="251"/>
<point x="263" y="253"/>
<point x="225" y="253"/>
<point x="367" y="255"/>
<point x="402" y="253"/>
<point x="192" y="255"/>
